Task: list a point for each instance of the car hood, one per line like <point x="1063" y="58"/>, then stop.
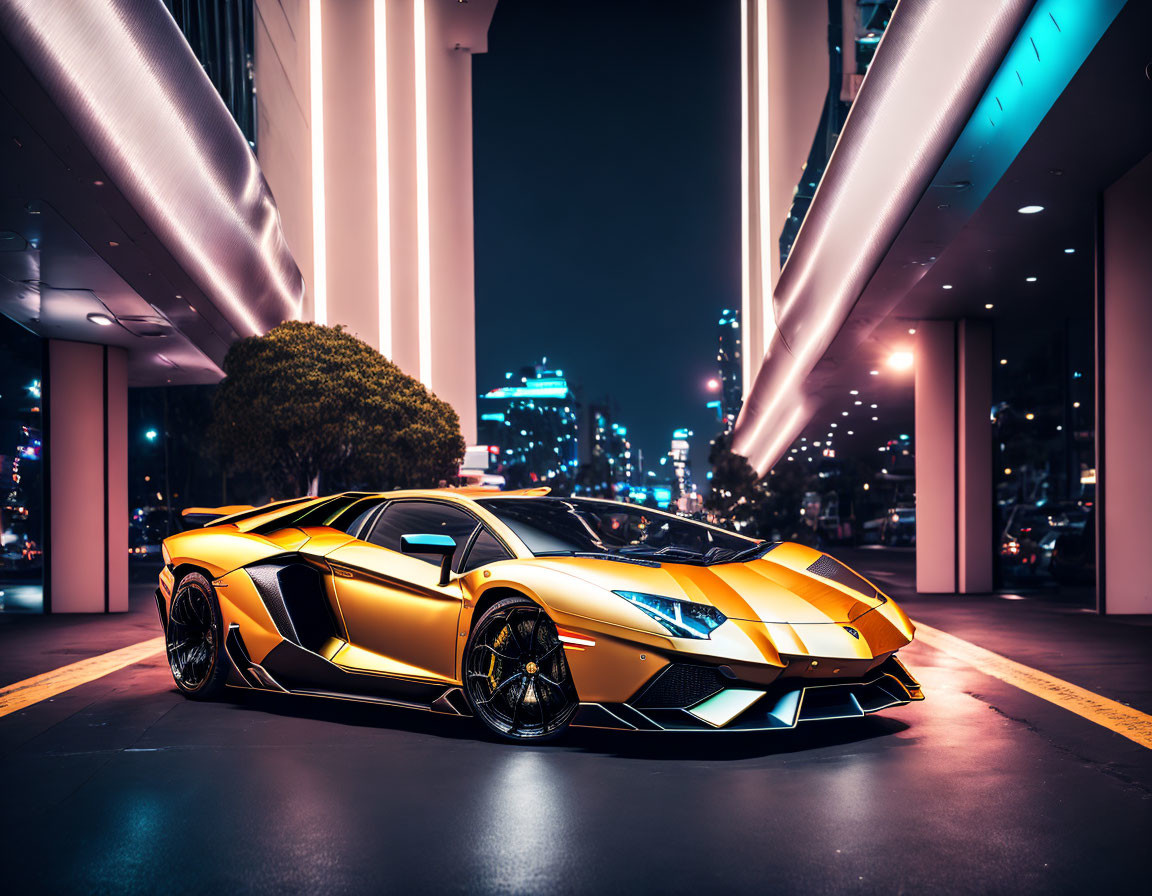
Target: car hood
<point x="772" y="589"/>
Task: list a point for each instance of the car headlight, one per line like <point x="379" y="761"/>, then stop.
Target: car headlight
<point x="682" y="618"/>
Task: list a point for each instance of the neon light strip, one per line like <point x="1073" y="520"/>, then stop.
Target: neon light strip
<point x="383" y="197"/>
<point x="423" y="235"/>
<point x="745" y="187"/>
<point x="316" y="99"/>
<point x="573" y="640"/>
<point x="764" y="174"/>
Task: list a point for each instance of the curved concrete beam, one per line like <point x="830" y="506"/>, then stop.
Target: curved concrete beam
<point x="122" y="75"/>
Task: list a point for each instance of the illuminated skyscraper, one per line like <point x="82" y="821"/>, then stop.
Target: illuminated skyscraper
<point x="532" y="422"/>
<point x="729" y="359"/>
<point x="683" y="490"/>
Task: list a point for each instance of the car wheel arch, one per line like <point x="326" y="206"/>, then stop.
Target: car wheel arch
<point x="181" y="570"/>
<point x="494" y="594"/>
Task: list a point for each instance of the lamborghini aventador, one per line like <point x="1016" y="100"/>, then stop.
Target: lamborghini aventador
<point x="529" y="612"/>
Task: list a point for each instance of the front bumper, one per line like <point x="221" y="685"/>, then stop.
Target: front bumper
<point x="686" y="697"/>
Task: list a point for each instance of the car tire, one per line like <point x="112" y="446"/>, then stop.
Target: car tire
<point x="193" y="639"/>
<point x="516" y="676"/>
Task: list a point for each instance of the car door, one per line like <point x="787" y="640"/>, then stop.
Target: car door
<point x="399" y="619"/>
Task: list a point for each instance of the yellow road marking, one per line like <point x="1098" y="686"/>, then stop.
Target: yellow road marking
<point x="1124" y="720"/>
<point x="23" y="694"/>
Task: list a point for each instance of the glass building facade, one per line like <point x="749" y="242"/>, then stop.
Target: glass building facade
<point x="23" y="522"/>
<point x="220" y="33"/>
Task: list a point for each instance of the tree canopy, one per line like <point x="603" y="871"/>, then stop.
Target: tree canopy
<point x="306" y="401"/>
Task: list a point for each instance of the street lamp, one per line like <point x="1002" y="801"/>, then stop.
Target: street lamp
<point x="900" y="360"/>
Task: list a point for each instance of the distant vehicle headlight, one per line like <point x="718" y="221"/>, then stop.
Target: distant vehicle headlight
<point x="681" y="618"/>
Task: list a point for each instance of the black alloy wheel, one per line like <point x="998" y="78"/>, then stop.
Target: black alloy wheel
<point x="516" y="676"/>
<point x="193" y="638"/>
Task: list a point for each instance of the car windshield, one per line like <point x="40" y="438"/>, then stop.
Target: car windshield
<point x="581" y="526"/>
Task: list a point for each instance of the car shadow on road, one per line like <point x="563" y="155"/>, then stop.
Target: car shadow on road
<point x="707" y="745"/>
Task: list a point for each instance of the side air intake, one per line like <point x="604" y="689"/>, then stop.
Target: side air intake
<point x="296" y="600"/>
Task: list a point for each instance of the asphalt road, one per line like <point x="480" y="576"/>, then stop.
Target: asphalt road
<point x="122" y="785"/>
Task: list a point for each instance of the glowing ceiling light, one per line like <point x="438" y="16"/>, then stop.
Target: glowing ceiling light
<point x="1030" y="209"/>
<point x="316" y="102"/>
<point x="900" y="360"/>
<point x="101" y="320"/>
<point x="946" y="286"/>
<point x="874" y="373"/>
<point x="988" y="306"/>
<point x="423" y="227"/>
<point x="1030" y="279"/>
<point x="1003" y="361"/>
<point x="745" y="187"/>
<point x="1029" y="416"/>
<point x="911" y="331"/>
<point x="768" y="243"/>
<point x="1069" y="251"/>
<point x="383" y="171"/>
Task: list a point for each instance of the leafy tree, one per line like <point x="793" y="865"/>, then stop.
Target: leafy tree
<point x="736" y="494"/>
<point x="306" y="401"/>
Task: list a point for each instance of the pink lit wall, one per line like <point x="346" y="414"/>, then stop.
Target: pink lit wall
<point x="1124" y="320"/>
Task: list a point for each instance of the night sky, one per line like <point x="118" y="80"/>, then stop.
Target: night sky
<point x="607" y="172"/>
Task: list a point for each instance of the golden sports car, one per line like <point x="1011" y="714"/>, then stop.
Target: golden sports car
<point x="529" y="612"/>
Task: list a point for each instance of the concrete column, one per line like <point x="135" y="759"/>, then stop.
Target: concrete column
<point x="1124" y="371"/>
<point x="953" y="457"/>
<point x="86" y="402"/>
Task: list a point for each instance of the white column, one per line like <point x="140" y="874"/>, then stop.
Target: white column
<point x="953" y="457"/>
<point x="390" y="225"/>
<point x="86" y="567"/>
<point x="1124" y="371"/>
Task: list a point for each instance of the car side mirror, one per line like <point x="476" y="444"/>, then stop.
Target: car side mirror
<point x="443" y="546"/>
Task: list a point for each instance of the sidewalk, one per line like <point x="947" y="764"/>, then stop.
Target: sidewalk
<point x="1055" y="632"/>
<point x="31" y="644"/>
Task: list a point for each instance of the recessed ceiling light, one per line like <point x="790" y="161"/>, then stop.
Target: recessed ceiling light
<point x="113" y="243"/>
<point x="858" y="401"/>
<point x="97" y="183"/>
<point x="1069" y="251"/>
<point x="843" y="413"/>
<point x="854" y="392"/>
<point x="947" y="286"/>
<point x="1030" y="209"/>
<point x="874" y="419"/>
<point x="1029" y="416"/>
<point x="988" y="306"/>
<point x="911" y="331"/>
<point x="1030" y="279"/>
<point x="899" y="361"/>
<point x="874" y="373"/>
<point x="101" y="320"/>
<point x="1003" y="360"/>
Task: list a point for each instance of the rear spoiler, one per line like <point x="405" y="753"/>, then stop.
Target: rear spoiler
<point x="200" y="517"/>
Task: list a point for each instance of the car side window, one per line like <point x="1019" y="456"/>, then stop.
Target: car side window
<point x="352" y="520"/>
<point x="423" y="518"/>
<point x="485" y="549"/>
